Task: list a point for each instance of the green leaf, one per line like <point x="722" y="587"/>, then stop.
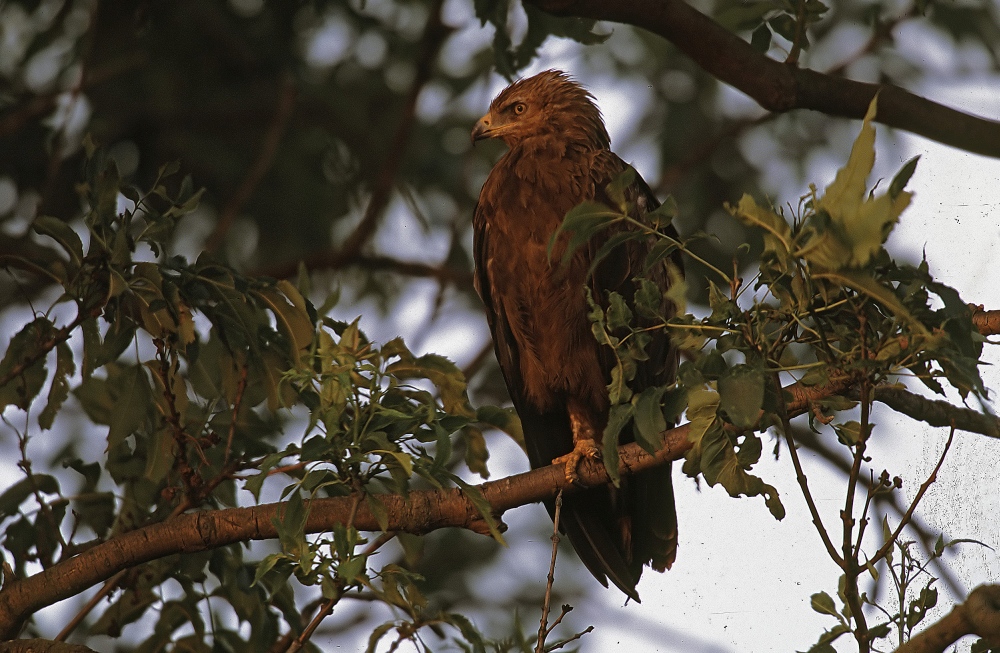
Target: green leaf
<point x="581" y="222"/>
<point x="857" y="224"/>
<point x="29" y="342"/>
<point x="353" y="569"/>
<point x="469" y="631"/>
<point x="714" y="456"/>
<point x="618" y="417"/>
<point x="482" y="505"/>
<point x="377" y="635"/>
<point x="293" y="321"/>
<point x="849" y="432"/>
<point x="444" y="374"/>
<point x="505" y="419"/>
<point x="649" y="420"/>
<point x="17" y="493"/>
<point x="660" y="250"/>
<point x="741" y="395"/>
<point x="823" y="603"/>
<point x="619" y="185"/>
<point x="59" y="389"/>
<point x="619" y="315"/>
<point x="777" y="232"/>
<point x="476" y="453"/>
<point x="902" y="177"/>
<point x="760" y="40"/>
<point x="63" y="234"/>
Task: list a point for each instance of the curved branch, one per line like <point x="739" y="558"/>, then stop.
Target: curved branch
<point x="435" y="33"/>
<point x="261" y="166"/>
<point x="979" y="615"/>
<point x="781" y="87"/>
<point x="421" y="512"/>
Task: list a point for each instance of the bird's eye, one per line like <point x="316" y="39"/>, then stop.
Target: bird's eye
<point x="519" y="108"/>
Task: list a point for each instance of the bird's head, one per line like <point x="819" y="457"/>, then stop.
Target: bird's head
<point x="550" y="104"/>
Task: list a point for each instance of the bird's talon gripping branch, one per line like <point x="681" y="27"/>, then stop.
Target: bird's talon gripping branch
<point x="581" y="449"/>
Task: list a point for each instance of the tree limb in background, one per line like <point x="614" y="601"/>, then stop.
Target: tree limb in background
<point x="781" y="87"/>
<point x="265" y="157"/>
<point x="979" y="615"/>
<point x="435" y="34"/>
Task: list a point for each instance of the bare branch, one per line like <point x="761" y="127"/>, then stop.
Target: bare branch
<point x="891" y="541"/>
<point x="781" y="87"/>
<point x="937" y="412"/>
<point x="543" y="629"/>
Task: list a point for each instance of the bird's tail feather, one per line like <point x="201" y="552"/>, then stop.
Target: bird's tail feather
<point x="592" y="539"/>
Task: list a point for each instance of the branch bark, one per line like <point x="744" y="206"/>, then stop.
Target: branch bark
<point x="424" y="511"/>
<point x="781" y="87"/>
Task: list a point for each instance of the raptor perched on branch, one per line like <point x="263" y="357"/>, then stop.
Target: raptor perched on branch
<point x="556" y="371"/>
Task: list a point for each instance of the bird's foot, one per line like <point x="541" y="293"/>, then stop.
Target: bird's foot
<point x="583" y="448"/>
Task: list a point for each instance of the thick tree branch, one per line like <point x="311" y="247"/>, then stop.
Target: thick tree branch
<point x="979" y="615"/>
<point x="781" y="87"/>
<point x="987" y="322"/>
<point x="422" y="512"/>
<point x="936" y="412"/>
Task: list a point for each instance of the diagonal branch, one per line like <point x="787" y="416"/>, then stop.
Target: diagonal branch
<point x="421" y="512"/>
<point x="781" y="87"/>
<point x="435" y="34"/>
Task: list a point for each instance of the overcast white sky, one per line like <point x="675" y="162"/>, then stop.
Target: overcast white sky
<point x="742" y="580"/>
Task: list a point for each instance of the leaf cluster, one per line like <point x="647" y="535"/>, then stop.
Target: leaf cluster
<point x="191" y="369"/>
<point x="828" y="303"/>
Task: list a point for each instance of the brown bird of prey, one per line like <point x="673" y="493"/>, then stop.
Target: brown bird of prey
<point x="556" y="372"/>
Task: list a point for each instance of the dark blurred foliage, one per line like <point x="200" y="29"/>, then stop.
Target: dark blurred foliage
<point x="291" y="114"/>
<point x="308" y="122"/>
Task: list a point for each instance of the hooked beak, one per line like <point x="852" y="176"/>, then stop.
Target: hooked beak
<point x="482" y="129"/>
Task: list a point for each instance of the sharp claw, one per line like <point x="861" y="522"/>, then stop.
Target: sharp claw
<point x="582" y="449"/>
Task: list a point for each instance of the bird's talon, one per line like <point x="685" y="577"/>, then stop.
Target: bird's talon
<point x="582" y="449"/>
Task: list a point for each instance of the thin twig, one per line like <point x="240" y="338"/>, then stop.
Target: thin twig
<point x="240" y="389"/>
<point x="558" y="645"/>
<point x="109" y="585"/>
<point x="800" y="476"/>
<point x="887" y="545"/>
<point x="323" y="613"/>
<point x="542" y="631"/>
<point x="851" y="566"/>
